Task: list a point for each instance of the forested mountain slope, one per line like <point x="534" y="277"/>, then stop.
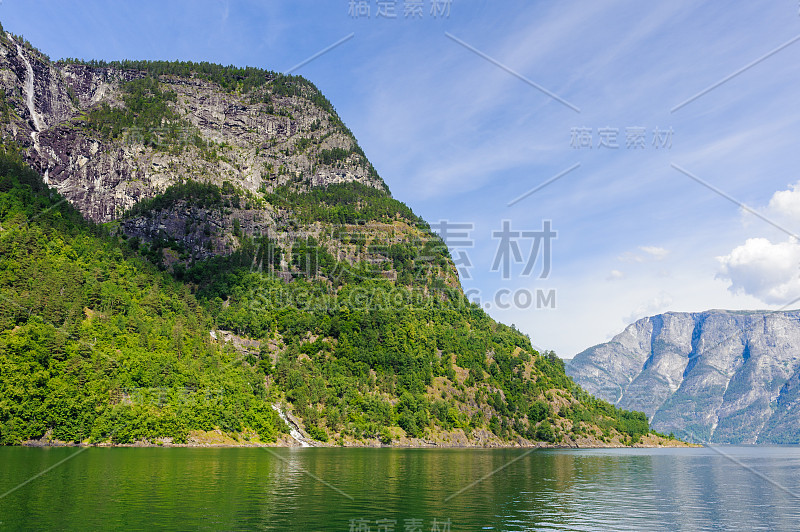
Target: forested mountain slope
<point x="183" y="246"/>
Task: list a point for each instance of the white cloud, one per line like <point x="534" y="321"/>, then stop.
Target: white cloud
<point x="786" y="204"/>
<point x="652" y="307"/>
<point x="655" y="252"/>
<point x="615" y="275"/>
<point x="770" y="272"/>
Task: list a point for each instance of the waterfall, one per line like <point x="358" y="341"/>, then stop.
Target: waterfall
<point x="38" y="125"/>
<point x="29" y="90"/>
<point x="293" y="431"/>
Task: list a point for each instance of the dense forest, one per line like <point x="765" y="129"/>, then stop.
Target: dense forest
<point x="97" y="344"/>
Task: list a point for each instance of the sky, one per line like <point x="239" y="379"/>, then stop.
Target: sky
<point x="658" y="141"/>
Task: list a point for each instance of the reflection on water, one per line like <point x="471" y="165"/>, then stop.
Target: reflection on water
<point x="401" y="489"/>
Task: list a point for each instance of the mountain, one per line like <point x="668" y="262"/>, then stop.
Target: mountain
<point x="717" y="376"/>
<point x="194" y="253"/>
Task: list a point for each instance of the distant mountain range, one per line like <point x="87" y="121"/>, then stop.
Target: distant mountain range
<point x="716" y="376"/>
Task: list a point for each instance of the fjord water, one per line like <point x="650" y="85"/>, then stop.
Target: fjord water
<point x="750" y="488"/>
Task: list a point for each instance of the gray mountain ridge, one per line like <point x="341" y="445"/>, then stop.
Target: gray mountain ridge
<point x="717" y="376"/>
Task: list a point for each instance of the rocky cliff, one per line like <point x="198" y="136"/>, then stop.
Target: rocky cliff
<point x="280" y="131"/>
<point x="717" y="376"/>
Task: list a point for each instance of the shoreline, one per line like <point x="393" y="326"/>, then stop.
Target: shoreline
<point x="357" y="444"/>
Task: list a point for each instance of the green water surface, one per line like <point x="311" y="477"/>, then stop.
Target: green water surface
<point x="385" y="490"/>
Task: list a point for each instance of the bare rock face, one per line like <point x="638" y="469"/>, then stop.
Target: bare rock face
<point x="716" y="376"/>
<point x="256" y="145"/>
<point x="203" y="232"/>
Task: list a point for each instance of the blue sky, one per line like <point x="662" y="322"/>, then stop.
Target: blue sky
<point x="458" y="137"/>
